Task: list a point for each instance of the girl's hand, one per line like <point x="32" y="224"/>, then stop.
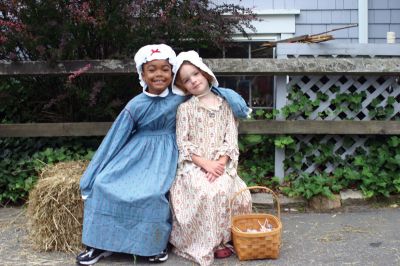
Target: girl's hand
<point x="214" y="168"/>
<point x="211" y="178"/>
<point x="223" y="159"/>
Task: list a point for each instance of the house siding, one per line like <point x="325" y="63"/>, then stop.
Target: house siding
<point x="317" y="16"/>
<point x="328" y="15"/>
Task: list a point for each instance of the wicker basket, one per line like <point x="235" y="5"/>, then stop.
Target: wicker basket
<point x="259" y="245"/>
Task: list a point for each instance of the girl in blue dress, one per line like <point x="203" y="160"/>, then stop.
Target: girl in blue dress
<point x="125" y="187"/>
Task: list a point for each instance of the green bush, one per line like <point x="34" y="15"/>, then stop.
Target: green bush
<point x="310" y="185"/>
<point x="375" y="170"/>
<point x="256" y="164"/>
<point x="22" y="159"/>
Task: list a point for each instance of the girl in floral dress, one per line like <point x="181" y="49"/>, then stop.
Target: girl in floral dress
<point x="206" y="179"/>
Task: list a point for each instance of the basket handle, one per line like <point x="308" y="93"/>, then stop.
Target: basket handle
<point x="264" y="188"/>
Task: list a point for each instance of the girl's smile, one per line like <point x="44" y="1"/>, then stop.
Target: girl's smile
<point x="158" y="75"/>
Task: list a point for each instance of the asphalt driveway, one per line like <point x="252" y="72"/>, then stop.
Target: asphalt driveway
<point x="361" y="236"/>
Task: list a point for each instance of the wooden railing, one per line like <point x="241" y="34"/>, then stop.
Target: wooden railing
<point x="296" y="66"/>
<point x="271" y="127"/>
<point x="256" y="66"/>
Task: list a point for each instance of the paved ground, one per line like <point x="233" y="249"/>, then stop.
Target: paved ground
<point x="367" y="236"/>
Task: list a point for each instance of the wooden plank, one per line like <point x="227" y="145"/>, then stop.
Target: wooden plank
<point x="54" y="129"/>
<point x="270" y="127"/>
<point x="304" y="66"/>
<point x="329" y="49"/>
<point x="231" y="66"/>
<point x="66" y="67"/>
<point x="320" y="127"/>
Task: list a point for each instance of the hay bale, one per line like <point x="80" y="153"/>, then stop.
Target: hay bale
<point x="55" y="208"/>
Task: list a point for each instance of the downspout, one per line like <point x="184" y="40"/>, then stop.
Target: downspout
<point x="363" y="21"/>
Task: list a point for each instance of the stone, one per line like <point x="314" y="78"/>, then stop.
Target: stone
<point x="321" y="202"/>
<point x="352" y="197"/>
<point x="265" y="201"/>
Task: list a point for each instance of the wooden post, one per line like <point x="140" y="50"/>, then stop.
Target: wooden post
<point x="280" y="101"/>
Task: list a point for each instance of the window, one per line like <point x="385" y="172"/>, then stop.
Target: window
<point x="258" y="91"/>
<point x="274" y="24"/>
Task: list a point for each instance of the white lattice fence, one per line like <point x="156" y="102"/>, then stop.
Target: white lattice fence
<point x="377" y="98"/>
<point x="374" y="87"/>
<point x="340" y="146"/>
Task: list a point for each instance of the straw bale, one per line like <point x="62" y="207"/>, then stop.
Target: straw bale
<point x="55" y="208"/>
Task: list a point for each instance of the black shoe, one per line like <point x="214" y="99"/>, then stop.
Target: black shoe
<point x="162" y="257"/>
<point x="91" y="256"/>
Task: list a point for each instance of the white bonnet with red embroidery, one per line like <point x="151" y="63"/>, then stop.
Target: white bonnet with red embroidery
<point x="152" y="52"/>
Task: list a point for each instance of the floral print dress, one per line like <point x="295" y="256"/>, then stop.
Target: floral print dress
<point x="201" y="210"/>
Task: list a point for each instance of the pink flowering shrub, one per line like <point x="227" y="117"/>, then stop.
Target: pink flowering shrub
<point x="55" y="30"/>
<point x="83" y="29"/>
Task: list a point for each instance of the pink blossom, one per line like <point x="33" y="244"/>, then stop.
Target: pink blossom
<point x="41" y="49"/>
<point x="3" y="39"/>
<point x="56" y="100"/>
<point x="18" y="27"/>
<point x="12" y="56"/>
<point x="80" y="12"/>
<point x="78" y="72"/>
<point x="95" y="91"/>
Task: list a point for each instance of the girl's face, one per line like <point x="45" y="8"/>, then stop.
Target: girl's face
<point x="158" y="75"/>
<point x="193" y="80"/>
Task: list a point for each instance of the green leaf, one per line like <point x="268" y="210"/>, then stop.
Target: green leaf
<point x="394" y="141"/>
<point x="253" y="139"/>
<point x="282" y="141"/>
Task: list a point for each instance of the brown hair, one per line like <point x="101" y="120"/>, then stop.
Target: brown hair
<point x="178" y="80"/>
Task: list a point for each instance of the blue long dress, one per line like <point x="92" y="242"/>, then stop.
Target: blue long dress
<point x="126" y="184"/>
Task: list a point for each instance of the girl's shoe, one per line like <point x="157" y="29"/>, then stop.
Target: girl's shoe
<point x="91" y="256"/>
<point x="162" y="257"/>
<point x="222" y="253"/>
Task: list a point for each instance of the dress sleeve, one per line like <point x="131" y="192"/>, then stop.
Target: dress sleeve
<point x="112" y="143"/>
<point x="185" y="146"/>
<point x="230" y="144"/>
<point x="235" y="101"/>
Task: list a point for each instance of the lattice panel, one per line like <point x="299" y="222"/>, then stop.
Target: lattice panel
<point x="374" y="93"/>
<point x="373" y="88"/>
<point x="378" y="94"/>
<point x="341" y="147"/>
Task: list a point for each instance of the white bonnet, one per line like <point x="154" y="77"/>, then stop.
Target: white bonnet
<point x="194" y="58"/>
<point x="152" y="52"/>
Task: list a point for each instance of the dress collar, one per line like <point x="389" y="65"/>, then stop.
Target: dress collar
<point x="162" y="94"/>
<point x="197" y="102"/>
